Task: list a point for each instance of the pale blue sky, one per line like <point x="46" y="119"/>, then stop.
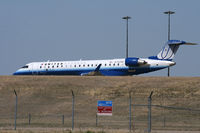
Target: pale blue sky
<point x="41" y="30"/>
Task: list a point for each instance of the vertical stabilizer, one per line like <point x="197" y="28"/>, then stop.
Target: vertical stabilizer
<point x="169" y="50"/>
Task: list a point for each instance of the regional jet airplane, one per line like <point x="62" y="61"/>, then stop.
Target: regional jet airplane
<point x="113" y="67"/>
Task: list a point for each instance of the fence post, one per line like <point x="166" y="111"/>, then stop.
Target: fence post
<point x="130" y="100"/>
<point x="29" y="119"/>
<point x="149" y="112"/>
<point x="164" y="121"/>
<point x="72" y="110"/>
<point x="63" y="119"/>
<point x="96" y="120"/>
<point x="163" y="111"/>
<point x="15" y="109"/>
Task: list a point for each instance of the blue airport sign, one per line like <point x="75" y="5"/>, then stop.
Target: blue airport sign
<point x="104" y="103"/>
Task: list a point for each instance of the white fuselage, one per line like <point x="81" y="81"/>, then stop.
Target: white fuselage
<point x="113" y="67"/>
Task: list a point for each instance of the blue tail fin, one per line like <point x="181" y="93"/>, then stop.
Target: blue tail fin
<point x="169" y="50"/>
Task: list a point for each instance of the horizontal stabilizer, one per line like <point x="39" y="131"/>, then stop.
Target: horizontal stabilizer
<point x="178" y="42"/>
<point x="187" y="43"/>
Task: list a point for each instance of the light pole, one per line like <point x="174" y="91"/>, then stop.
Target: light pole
<point x="127" y="18"/>
<point x="169" y="13"/>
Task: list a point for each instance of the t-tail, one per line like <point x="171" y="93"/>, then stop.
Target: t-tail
<point x="169" y="50"/>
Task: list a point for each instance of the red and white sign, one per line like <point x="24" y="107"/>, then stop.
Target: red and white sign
<point x="104" y="108"/>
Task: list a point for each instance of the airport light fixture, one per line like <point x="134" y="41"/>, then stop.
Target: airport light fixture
<point x="127" y="18"/>
<point x="169" y="13"/>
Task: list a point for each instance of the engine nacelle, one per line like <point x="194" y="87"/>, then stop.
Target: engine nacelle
<point x="134" y="61"/>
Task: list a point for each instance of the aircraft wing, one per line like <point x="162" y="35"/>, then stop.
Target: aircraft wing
<point x="96" y="72"/>
<point x="98" y="67"/>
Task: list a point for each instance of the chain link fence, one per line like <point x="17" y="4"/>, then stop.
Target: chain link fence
<point x="44" y="114"/>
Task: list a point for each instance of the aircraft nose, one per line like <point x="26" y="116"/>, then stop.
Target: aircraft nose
<point x="16" y="73"/>
<point x="172" y="63"/>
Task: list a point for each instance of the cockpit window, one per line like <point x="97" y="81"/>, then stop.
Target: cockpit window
<point x="25" y="66"/>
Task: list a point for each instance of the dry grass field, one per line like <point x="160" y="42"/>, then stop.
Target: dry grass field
<point x="47" y="98"/>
